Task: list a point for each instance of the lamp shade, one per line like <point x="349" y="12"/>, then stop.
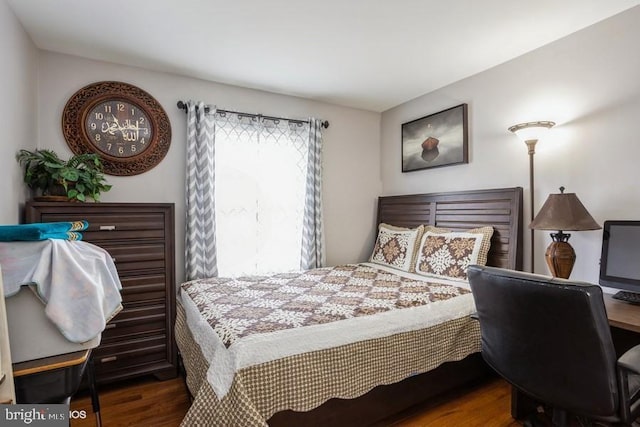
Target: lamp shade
<point x="531" y="131"/>
<point x="565" y="212"/>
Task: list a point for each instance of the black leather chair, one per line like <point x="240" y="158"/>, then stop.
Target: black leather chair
<point x="550" y="339"/>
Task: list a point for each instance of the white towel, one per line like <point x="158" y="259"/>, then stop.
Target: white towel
<point x="77" y="281"/>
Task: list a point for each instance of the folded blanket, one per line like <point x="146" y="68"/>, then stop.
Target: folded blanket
<point x="42" y="231"/>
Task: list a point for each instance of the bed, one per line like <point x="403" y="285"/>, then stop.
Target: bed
<point x="334" y="368"/>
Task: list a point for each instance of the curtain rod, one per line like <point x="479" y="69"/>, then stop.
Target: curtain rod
<point x="183" y="106"/>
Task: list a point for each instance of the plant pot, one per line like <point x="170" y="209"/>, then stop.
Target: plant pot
<point x="54" y="193"/>
<point x="53" y="198"/>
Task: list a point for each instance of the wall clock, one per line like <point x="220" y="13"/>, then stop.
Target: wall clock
<point x="120" y="122"/>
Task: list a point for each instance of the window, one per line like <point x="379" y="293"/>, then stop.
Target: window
<point x="260" y="168"/>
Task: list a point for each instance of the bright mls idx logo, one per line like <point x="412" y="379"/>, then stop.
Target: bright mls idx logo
<point x="37" y="415"/>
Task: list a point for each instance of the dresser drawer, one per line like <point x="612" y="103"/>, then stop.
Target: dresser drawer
<point x="143" y="288"/>
<point x="109" y="357"/>
<point x="105" y="227"/>
<point x="136" y="257"/>
<point x="134" y="322"/>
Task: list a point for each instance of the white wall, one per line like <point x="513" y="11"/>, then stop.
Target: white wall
<point x="589" y="84"/>
<point x="351" y="145"/>
<point x="17" y="109"/>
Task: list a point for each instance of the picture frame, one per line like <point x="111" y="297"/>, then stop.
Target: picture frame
<point x="436" y="140"/>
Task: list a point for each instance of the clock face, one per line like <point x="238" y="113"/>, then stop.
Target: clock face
<point x="124" y="125"/>
<point x="119" y="128"/>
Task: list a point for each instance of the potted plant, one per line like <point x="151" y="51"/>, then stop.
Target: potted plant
<point x="78" y="178"/>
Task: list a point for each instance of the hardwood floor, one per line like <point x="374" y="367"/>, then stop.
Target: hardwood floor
<point x="483" y="405"/>
<point x="150" y="402"/>
<point x="146" y="402"/>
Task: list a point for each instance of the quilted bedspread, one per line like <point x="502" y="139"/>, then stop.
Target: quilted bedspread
<point x="254" y="324"/>
<point x="237" y="308"/>
<point x="365" y="327"/>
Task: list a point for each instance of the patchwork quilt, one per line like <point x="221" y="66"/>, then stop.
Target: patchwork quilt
<point x="256" y="346"/>
<point x="237" y="308"/>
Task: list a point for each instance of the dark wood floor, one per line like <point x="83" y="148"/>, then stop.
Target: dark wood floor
<point x="149" y="402"/>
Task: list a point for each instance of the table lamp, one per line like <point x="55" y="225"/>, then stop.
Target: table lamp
<point x="562" y="212"/>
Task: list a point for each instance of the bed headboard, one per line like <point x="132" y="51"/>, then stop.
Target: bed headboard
<point x="463" y="210"/>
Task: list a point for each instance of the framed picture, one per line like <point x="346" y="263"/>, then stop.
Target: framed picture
<point x="439" y="139"/>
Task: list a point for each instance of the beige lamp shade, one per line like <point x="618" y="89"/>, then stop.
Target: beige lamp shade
<point x="531" y="131"/>
<point x="565" y="212"/>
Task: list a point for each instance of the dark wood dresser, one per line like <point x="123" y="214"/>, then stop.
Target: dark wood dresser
<point x="140" y="238"/>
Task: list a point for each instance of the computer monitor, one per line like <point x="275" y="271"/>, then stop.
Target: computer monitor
<point x="620" y="260"/>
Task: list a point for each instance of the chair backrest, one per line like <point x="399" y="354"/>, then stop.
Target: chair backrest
<point x="548" y="337"/>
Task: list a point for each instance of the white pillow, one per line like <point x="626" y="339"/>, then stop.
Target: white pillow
<point x="396" y="246"/>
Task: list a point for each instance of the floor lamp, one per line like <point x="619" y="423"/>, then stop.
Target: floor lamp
<point x="530" y="132"/>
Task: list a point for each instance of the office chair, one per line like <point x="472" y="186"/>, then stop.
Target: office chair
<point x="550" y="339"/>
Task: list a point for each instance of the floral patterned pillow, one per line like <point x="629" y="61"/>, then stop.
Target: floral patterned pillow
<point x="486" y="232"/>
<point x="396" y="246"/>
<point x="448" y="255"/>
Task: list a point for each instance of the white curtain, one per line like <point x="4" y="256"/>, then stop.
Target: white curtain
<point x="266" y="210"/>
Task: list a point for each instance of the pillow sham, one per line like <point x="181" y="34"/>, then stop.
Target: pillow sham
<point x="486" y="232"/>
<point x="396" y="246"/>
<point x="448" y="254"/>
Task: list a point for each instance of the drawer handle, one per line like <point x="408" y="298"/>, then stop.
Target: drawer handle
<point x="108" y="359"/>
<point x="110" y="326"/>
<point x="107" y="227"/>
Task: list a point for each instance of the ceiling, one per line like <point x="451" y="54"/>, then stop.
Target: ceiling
<point x="368" y="54"/>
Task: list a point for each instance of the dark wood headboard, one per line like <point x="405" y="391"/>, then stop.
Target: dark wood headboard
<point x="463" y="210"/>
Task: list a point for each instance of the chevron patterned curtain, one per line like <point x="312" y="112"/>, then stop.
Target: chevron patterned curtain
<point x="200" y="233"/>
<point x="313" y="255"/>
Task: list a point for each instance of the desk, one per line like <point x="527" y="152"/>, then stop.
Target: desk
<point x="622" y="314"/>
<point x="51" y="379"/>
<point x="31" y="367"/>
<point x="624" y="319"/>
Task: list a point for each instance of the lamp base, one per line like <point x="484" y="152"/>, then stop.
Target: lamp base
<point x="560" y="258"/>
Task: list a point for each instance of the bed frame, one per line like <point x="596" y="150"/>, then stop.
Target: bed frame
<point x="499" y="208"/>
<point x="459" y="211"/>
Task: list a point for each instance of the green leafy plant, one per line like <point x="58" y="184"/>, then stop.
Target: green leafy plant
<point x="79" y="177"/>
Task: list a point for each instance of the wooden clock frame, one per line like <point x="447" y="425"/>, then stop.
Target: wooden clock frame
<point x="75" y="114"/>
